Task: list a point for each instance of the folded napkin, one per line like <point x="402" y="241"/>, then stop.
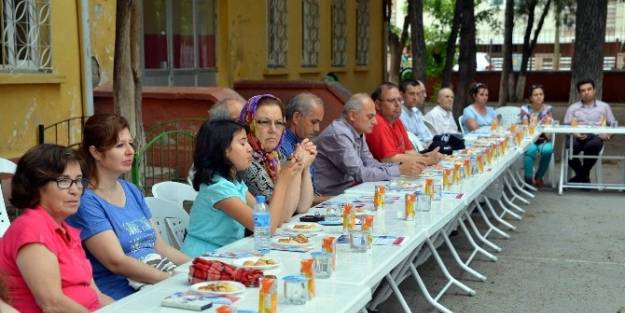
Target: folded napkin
<point x="203" y="270"/>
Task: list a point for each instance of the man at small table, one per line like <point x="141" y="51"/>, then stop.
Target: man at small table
<point x="389" y="140"/>
<point x="441" y="116"/>
<point x="414" y="94"/>
<point x="343" y="158"/>
<point x="587" y="111"/>
<point x="304" y="114"/>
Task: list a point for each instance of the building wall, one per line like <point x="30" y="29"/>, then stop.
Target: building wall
<point x="242" y="45"/>
<point x="32" y="99"/>
<point x="102" y="32"/>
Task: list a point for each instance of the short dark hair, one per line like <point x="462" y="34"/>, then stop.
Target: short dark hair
<point x="403" y="86"/>
<point x="102" y="132"/>
<point x="377" y="93"/>
<point x="536" y="86"/>
<point x="585" y="81"/>
<point x="475" y="89"/>
<point x="39" y="165"/>
<point x="209" y="155"/>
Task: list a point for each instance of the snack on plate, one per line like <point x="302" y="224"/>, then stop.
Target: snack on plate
<point x="218" y="287"/>
<point x="259" y="262"/>
<point x="299" y="239"/>
<point x="303" y="226"/>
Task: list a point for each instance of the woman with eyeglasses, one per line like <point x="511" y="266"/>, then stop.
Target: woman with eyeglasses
<point x="222" y="209"/>
<point x="478" y="114"/>
<point x="264" y="115"/>
<point x="116" y="225"/>
<point x="41" y="259"/>
<point x="542" y="113"/>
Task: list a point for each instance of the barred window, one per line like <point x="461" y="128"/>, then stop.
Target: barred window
<point x="362" y="32"/>
<point x="310" y="32"/>
<point x="25" y="36"/>
<point x="339" y="41"/>
<point x="277" y="27"/>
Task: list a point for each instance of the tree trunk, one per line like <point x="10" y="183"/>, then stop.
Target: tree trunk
<point x="415" y="12"/>
<point x="528" y="48"/>
<point x="127" y="66"/>
<point x="556" y="44"/>
<point x="590" y="26"/>
<point x="466" y="60"/>
<point x="506" y="70"/>
<point x="397" y="45"/>
<point x="451" y="45"/>
<point x="395" y="51"/>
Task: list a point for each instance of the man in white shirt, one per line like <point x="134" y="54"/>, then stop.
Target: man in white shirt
<point x="414" y="94"/>
<point x="441" y="116"/>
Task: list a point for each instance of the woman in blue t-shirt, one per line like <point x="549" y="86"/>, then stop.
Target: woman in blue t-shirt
<point x="115" y="222"/>
<point x="478" y="114"/>
<point x="223" y="207"/>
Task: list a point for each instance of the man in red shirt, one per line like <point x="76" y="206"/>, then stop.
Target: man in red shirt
<point x="389" y="141"/>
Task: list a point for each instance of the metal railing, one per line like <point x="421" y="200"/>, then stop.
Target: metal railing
<point x="62" y="128"/>
<point x="166" y="157"/>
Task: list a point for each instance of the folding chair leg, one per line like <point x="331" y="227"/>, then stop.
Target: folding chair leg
<point x="479" y="235"/>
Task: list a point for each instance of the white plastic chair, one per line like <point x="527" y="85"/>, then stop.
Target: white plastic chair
<point x="461" y="125"/>
<point x="509" y="115"/>
<point x="430" y="127"/>
<point x="171" y="220"/>
<point x="174" y="191"/>
<point x="6" y="167"/>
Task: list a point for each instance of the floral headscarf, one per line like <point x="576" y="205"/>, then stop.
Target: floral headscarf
<point x="269" y="160"/>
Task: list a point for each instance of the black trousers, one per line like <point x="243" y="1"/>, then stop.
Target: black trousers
<point x="591" y="145"/>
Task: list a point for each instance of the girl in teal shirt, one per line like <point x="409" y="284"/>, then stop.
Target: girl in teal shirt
<point x="223" y="207"/>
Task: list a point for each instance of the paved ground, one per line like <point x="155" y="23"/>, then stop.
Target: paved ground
<point x="567" y="255"/>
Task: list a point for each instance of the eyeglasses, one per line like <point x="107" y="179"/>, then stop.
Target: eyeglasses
<point x="66" y="182"/>
<point x="396" y="100"/>
<point x="269" y="123"/>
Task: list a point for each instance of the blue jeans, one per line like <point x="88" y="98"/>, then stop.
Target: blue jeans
<point x="545" y="149"/>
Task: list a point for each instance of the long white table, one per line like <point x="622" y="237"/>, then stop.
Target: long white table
<point x="569" y="130"/>
<point x="357" y="276"/>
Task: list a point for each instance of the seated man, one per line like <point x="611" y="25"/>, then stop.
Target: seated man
<point x="304" y="114"/>
<point x="227" y="108"/>
<point x="587" y="111"/>
<point x="389" y="140"/>
<point x="441" y="116"/>
<point x="414" y="94"/>
<point x="343" y="158"/>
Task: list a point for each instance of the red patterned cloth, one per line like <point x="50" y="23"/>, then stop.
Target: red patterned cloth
<point x="203" y="270"/>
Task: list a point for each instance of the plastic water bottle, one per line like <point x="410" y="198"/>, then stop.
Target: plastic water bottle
<point x="262" y="222"/>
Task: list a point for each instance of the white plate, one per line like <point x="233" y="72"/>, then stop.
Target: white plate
<point x="239" y="263"/>
<point x="311" y="227"/>
<point x="276" y="240"/>
<point x="236" y="287"/>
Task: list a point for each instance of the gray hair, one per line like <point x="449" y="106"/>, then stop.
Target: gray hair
<point x="355" y="102"/>
<point x="302" y="103"/>
<point x="220" y="111"/>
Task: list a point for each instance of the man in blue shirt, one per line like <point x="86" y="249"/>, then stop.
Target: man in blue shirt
<point x="304" y="114"/>
<point x="414" y="94"/>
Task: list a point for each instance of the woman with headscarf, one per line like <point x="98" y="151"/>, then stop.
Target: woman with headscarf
<point x="222" y="209"/>
<point x="264" y="115"/>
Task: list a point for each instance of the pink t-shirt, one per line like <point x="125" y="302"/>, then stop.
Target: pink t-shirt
<point x="37" y="226"/>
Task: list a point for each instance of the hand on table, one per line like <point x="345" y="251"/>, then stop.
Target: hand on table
<point x="412" y="169"/>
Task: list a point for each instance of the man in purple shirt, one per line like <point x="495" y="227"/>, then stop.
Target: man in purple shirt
<point x="343" y="157"/>
<point x="587" y="111"/>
